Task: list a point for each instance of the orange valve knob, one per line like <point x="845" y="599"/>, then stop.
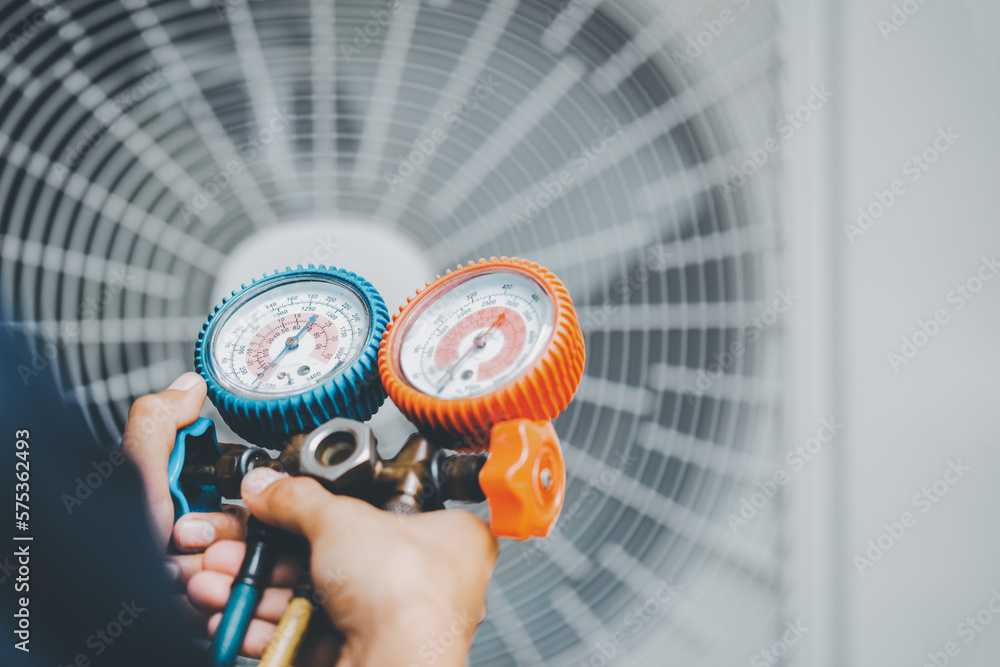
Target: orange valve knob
<point x="524" y="478"/>
<point x="488" y="342"/>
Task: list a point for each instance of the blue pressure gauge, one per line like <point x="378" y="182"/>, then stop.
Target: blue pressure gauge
<point x="292" y="351"/>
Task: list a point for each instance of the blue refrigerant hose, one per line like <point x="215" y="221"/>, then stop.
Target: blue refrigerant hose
<point x="233" y="627"/>
<point x="246" y="593"/>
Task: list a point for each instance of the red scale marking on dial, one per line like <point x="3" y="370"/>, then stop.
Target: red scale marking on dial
<point x="327" y="339"/>
<point x="511" y="326"/>
<point x="323" y="332"/>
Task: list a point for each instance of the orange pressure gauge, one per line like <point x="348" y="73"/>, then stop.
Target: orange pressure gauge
<point x="488" y="342"/>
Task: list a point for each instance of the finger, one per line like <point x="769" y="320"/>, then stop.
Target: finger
<point x="257" y="638"/>
<point x="153" y="421"/>
<point x="226" y="558"/>
<point x="303" y="507"/>
<point x="238" y="511"/>
<point x="149" y="438"/>
<point x="209" y="592"/>
<point x="196" y="531"/>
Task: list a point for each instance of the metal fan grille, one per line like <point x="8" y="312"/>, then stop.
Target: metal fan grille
<point x="140" y="144"/>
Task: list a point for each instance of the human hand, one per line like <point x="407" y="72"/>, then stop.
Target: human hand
<point x="149" y="437"/>
<point x="400" y="590"/>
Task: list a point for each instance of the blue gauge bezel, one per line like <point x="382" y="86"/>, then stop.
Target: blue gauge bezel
<point x="248" y="294"/>
<point x="354" y="393"/>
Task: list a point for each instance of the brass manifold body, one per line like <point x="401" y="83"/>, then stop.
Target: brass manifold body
<point x="342" y="455"/>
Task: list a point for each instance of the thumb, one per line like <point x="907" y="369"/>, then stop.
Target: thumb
<point x="299" y="505"/>
<point x="153" y="421"/>
<point x="149" y="437"/>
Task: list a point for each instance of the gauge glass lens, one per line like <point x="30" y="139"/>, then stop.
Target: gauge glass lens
<point x="289" y="337"/>
<point x="476" y="335"/>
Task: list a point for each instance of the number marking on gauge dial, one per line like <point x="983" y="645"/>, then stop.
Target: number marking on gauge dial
<point x="290" y="337"/>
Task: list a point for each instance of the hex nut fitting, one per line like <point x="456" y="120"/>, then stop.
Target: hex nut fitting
<point x="339" y="454"/>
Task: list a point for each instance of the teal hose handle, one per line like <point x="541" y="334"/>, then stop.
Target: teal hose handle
<point x="236" y="619"/>
<point x="195" y="443"/>
<point x="263" y="545"/>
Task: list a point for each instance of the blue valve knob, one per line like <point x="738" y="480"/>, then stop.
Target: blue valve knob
<point x="195" y="444"/>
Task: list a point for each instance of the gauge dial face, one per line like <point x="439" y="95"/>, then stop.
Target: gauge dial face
<point x="288" y="336"/>
<point x="476" y="335"/>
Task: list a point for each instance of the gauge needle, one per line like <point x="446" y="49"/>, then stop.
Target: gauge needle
<point x="478" y="343"/>
<point x="291" y="343"/>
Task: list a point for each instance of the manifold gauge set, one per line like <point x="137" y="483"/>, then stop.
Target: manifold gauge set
<point x="480" y="361"/>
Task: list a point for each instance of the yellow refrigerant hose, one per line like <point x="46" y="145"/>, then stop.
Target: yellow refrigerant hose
<point x="287" y="639"/>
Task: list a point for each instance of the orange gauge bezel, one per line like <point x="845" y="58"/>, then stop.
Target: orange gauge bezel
<point x="542" y="391"/>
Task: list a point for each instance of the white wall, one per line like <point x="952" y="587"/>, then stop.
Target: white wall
<point x="940" y="69"/>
